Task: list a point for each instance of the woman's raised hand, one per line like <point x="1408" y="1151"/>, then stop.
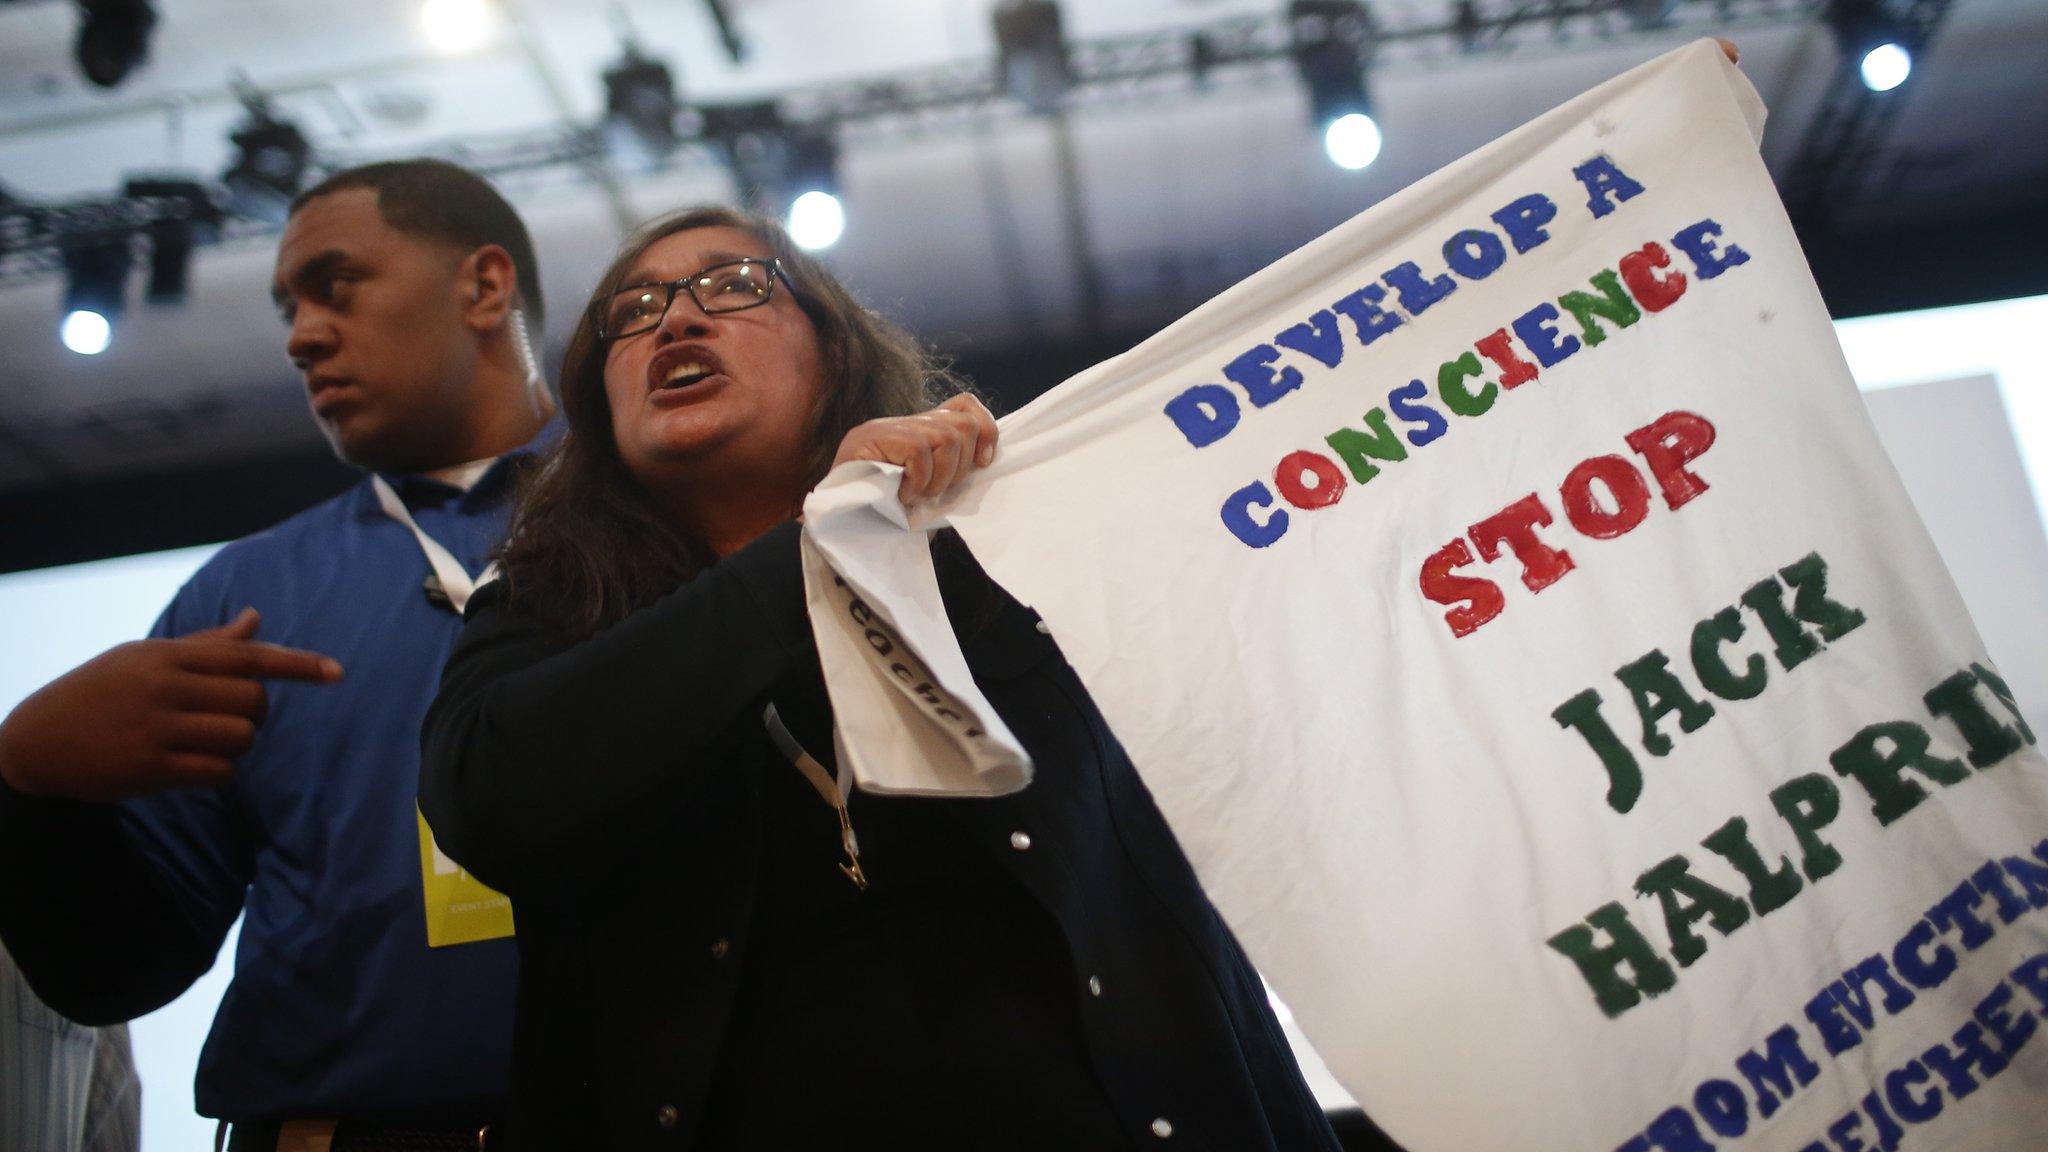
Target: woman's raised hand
<point x="937" y="449"/>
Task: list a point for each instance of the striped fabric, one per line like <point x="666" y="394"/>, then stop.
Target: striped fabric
<point x="48" y="1078"/>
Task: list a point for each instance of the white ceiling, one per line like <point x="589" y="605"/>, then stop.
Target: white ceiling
<point x="959" y="229"/>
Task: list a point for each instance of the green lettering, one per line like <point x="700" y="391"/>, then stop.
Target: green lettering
<point x="1450" y="384"/>
<point x="1769" y="889"/>
<point x="1658" y="693"/>
<point x="1725" y="627"/>
<point x="1601" y="964"/>
<point x="1357" y="450"/>
<point x="1881" y="772"/>
<point x="1613" y="304"/>
<point x="1686" y="900"/>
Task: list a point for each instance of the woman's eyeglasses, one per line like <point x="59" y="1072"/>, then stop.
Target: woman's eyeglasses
<point x="730" y="287"/>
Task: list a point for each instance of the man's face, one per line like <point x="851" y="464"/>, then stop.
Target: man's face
<point x="731" y="391"/>
<point x="377" y="330"/>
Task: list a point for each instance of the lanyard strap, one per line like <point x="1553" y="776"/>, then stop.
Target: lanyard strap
<point x="454" y="578"/>
<point x="833" y="792"/>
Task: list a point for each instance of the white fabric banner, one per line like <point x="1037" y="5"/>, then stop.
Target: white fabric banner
<point x="1512" y="611"/>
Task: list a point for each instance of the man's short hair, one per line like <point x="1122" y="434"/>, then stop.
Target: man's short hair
<point x="446" y="202"/>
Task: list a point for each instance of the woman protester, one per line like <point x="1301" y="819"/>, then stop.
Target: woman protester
<point x="633" y="741"/>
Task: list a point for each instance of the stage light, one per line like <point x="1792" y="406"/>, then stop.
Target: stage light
<point x="816" y="220"/>
<point x="1031" y="53"/>
<point x="1867" y="32"/>
<point x="640" y="105"/>
<point x="456" y="26"/>
<point x="1885" y="67"/>
<point x="271" y="158"/>
<point x="86" y="332"/>
<point x="187" y="215"/>
<point x="1352" y="141"/>
<point x="1329" y="39"/>
<point x="96" y="282"/>
<point x="113" y="38"/>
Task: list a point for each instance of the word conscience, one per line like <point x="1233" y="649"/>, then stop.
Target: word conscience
<point x="1643" y="281"/>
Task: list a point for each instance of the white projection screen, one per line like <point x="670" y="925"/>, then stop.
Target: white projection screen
<point x="1957" y="399"/>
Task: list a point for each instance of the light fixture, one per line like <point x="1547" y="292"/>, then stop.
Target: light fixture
<point x="271" y="159"/>
<point x="1328" y="40"/>
<point x="1885" y="67"/>
<point x="816" y="220"/>
<point x="96" y="283"/>
<point x="186" y="215"/>
<point x="1031" y="53"/>
<point x="113" y="38"/>
<point x="86" y="332"/>
<point x="791" y="170"/>
<point x="1352" y="141"/>
<point x="811" y="181"/>
<point x="640" y="106"/>
<point x="1867" y="32"/>
<point x="456" y="26"/>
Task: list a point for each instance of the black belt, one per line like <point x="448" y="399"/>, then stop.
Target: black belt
<point x="353" y="1136"/>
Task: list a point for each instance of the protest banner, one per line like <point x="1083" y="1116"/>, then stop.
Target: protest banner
<point x="1509" y="606"/>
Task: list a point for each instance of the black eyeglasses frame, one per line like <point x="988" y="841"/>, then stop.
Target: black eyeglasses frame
<point x="687" y="284"/>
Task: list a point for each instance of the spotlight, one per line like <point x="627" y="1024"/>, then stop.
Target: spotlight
<point x="456" y="26"/>
<point x="810" y="178"/>
<point x="816" y="220"/>
<point x="86" y="332"/>
<point x="1352" y="141"/>
<point x="271" y="158"/>
<point x="1885" y="67"/>
<point x="640" y="105"/>
<point x="97" y="281"/>
<point x="113" y="38"/>
<point x="1328" y="41"/>
<point x="1867" y="32"/>
<point x="1031" y="53"/>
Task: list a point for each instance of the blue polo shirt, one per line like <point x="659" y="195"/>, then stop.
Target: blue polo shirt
<point x="337" y="1006"/>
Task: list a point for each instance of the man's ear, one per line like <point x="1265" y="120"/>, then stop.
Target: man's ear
<point x="493" y="283"/>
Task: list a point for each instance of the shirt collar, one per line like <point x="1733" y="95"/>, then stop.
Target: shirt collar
<point x="422" y="488"/>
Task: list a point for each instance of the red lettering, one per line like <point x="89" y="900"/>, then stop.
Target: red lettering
<point x="1666" y="444"/>
<point x="1514" y="370"/>
<point x="1515" y="526"/>
<point x="1329" y="480"/>
<point x="1475" y="601"/>
<point x="1626" y="488"/>
<point x="1639" y="271"/>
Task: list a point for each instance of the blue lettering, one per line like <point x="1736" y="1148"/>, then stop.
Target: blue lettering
<point x="1237" y="516"/>
<point x="1475" y="253"/>
<point x="1925" y="975"/>
<point x="1770" y="1075"/>
<point x="1363" y="307"/>
<point x="1523" y="220"/>
<point x="1204" y="413"/>
<point x="1417" y="293"/>
<point x="1319" y="337"/>
<point x="1606" y="185"/>
<point x="1253" y="372"/>
<point x="1836" y="1033"/>
<point x="1534" y="328"/>
<point x="1401" y="400"/>
<point x="1898" y="1080"/>
<point x="1723" y="1106"/>
<point x="1697" y="242"/>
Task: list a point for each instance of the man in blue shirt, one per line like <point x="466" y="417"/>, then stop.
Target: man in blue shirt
<point x="153" y="794"/>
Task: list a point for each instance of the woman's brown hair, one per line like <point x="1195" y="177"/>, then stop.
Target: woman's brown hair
<point x="587" y="544"/>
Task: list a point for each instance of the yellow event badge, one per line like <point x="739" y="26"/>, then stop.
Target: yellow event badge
<point x="460" y="909"/>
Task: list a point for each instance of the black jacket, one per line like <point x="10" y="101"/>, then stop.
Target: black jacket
<point x="614" y="790"/>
